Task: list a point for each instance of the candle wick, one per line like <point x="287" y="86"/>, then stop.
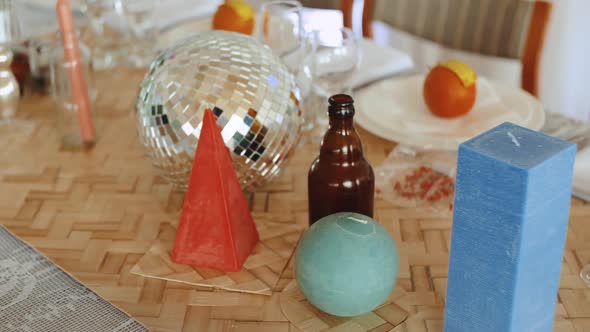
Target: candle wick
<point x="513" y="138"/>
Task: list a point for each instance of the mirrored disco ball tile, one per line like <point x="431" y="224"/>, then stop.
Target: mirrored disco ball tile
<point x="248" y="89"/>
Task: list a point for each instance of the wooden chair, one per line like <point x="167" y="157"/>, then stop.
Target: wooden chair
<point x="502" y="28"/>
<point x="344" y="5"/>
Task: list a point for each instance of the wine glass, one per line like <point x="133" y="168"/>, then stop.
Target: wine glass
<point x="106" y="20"/>
<point x="281" y="28"/>
<point x="142" y="21"/>
<point x="334" y="57"/>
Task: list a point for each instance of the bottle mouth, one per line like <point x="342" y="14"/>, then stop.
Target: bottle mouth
<point x="341" y="105"/>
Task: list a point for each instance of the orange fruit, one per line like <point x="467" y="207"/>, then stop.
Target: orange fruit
<point x="234" y="15"/>
<point x="449" y="89"/>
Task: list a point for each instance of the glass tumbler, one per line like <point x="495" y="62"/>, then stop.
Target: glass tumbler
<point x="62" y="93"/>
<point x="143" y="31"/>
<point x="334" y="57"/>
<point x="109" y="31"/>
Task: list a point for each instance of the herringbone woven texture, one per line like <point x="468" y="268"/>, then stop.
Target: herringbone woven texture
<point x="308" y="318"/>
<point x="96" y="213"/>
<point x="259" y="274"/>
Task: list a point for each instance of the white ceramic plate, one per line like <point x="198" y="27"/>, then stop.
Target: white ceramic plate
<point x="394" y="109"/>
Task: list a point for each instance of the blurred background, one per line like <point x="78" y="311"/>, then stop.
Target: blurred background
<point x="563" y="69"/>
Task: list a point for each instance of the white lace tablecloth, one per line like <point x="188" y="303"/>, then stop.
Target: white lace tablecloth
<point x="37" y="296"/>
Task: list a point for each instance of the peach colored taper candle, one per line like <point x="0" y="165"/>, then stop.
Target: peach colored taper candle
<point x="75" y="70"/>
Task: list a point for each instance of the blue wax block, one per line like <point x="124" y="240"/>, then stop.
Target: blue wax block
<point x="512" y="200"/>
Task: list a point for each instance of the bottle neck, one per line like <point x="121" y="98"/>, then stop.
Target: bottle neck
<point x="341" y="140"/>
<point x="340" y="123"/>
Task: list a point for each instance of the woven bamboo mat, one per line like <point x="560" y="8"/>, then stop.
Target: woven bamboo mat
<point x="307" y="318"/>
<point x="97" y="213"/>
<point x="259" y="275"/>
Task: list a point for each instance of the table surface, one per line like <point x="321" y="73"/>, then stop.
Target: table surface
<point x="95" y="213"/>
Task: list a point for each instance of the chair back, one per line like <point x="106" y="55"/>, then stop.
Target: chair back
<point x="503" y="28"/>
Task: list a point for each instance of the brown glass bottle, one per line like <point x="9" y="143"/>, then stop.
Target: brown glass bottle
<point x="340" y="178"/>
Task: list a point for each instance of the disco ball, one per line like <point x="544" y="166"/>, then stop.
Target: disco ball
<point x="246" y="86"/>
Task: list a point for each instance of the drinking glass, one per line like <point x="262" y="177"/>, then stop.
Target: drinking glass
<point x="10" y="34"/>
<point x="63" y="96"/>
<point x="142" y="22"/>
<point x="39" y="51"/>
<point x="108" y="26"/>
<point x="304" y="78"/>
<point x="334" y="57"/>
<point x="281" y="28"/>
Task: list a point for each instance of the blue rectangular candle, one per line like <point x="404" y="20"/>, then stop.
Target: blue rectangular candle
<point x="512" y="202"/>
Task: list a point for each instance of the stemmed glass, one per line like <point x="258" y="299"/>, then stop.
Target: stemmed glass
<point x="142" y="21"/>
<point x="107" y="41"/>
<point x="322" y="61"/>
<point x="281" y="28"/>
<point x="334" y="57"/>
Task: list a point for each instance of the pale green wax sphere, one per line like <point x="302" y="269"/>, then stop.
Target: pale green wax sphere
<point x="346" y="264"/>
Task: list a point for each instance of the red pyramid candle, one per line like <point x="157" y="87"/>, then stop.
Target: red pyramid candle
<point x="216" y="229"/>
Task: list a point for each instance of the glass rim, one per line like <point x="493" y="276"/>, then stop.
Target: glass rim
<point x="135" y="6"/>
<point x="348" y="35"/>
<point x="293" y="6"/>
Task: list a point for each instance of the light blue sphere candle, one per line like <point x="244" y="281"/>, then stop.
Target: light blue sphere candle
<point x="346" y="264"/>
